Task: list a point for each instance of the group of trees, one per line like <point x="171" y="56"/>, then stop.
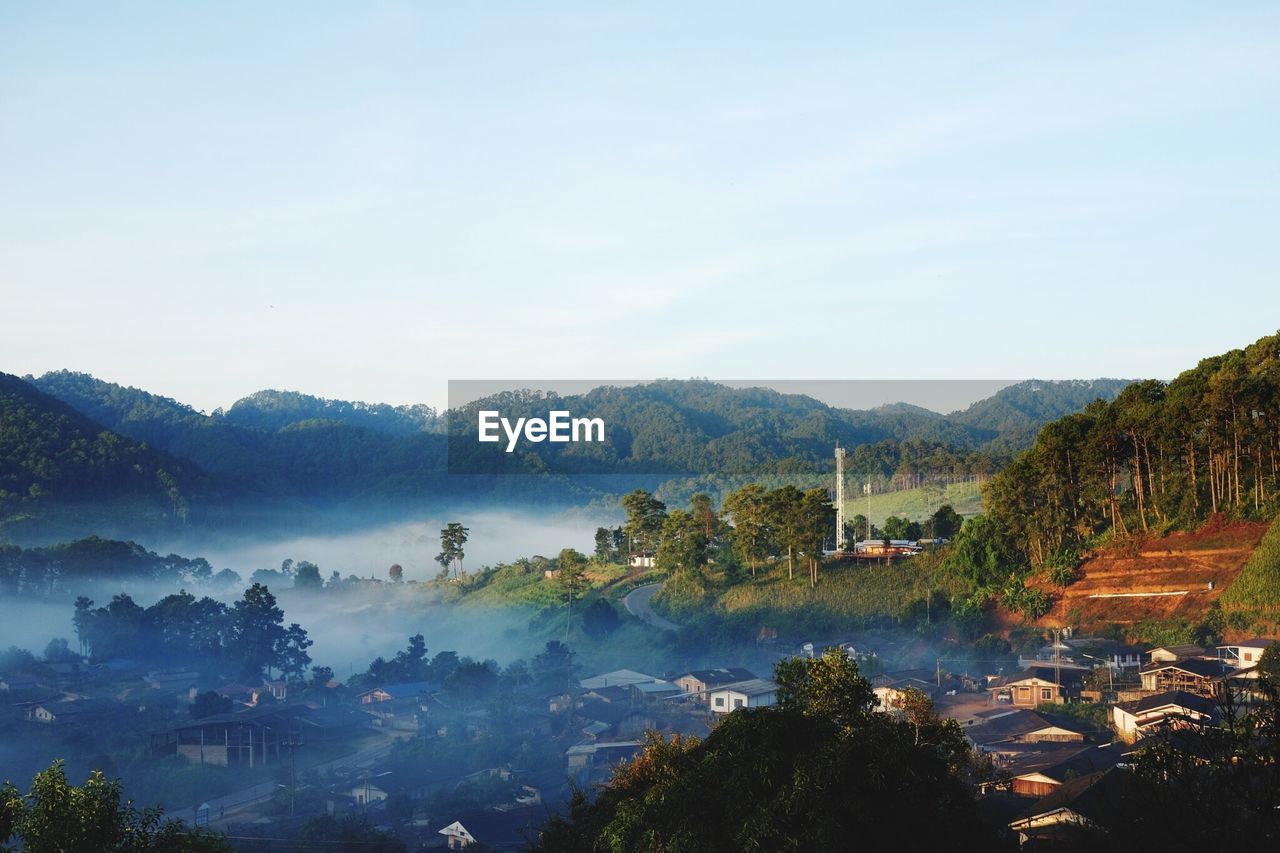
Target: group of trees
<point x="58" y="816"/>
<point x="755" y="526"/>
<point x="1160" y="456"/>
<point x="246" y="639"/>
<point x="48" y="450"/>
<point x="54" y="569"/>
<point x="464" y="679"/>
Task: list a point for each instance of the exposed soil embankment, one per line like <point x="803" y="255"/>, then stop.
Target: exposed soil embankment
<point x="1177" y="576"/>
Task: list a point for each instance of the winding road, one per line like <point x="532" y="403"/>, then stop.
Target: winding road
<point x="637" y="604"/>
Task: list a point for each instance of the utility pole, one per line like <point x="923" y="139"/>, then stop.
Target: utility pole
<point x="1057" y="660"/>
<point x="867" y="491"/>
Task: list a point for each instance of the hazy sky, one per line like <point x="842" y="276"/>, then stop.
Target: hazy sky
<point x="364" y="200"/>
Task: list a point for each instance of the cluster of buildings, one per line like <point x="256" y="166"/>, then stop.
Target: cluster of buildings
<point x="1052" y="768"/>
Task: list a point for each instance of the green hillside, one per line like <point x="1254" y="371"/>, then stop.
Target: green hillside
<point x="919" y="503"/>
<point x="50" y="453"/>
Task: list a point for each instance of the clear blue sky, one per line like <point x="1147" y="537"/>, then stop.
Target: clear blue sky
<point x="364" y="200"/>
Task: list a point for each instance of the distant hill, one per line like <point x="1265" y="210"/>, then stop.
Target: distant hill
<point x="275" y="445"/>
<point x="275" y="410"/>
<point x="50" y="452"/>
<point x="699" y="427"/>
<point x="282" y="452"/>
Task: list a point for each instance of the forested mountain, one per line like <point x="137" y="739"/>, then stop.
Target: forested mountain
<point x="1160" y="456"/>
<point x="274" y="444"/>
<point x="49" y="451"/>
<point x="285" y="451"/>
<point x="700" y="427"/>
<point x="275" y="410"/>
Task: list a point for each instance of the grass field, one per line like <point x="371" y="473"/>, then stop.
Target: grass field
<point x="917" y="504"/>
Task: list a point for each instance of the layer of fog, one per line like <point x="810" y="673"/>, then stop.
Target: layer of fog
<point x="350" y="629"/>
<point x="494" y="537"/>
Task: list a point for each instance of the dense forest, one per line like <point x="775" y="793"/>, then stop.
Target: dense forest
<point x="53" y="570"/>
<point x="1160" y="456"/>
<point x="704" y="428"/>
<point x="50" y="451"/>
<point x="69" y="438"/>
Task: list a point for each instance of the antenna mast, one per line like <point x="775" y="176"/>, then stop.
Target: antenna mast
<point x="841" y="544"/>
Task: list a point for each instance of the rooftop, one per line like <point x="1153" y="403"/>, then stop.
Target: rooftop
<point x="752" y="687"/>
<point x="1195" y="666"/>
<point x="1172" y="698"/>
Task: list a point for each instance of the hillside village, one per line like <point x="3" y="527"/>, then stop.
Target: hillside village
<point x="415" y="757"/>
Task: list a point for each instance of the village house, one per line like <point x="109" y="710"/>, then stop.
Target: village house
<point x="390" y="692"/>
<point x="1038" y="684"/>
<point x="494" y="828"/>
<point x="178" y="682"/>
<point x="1116" y="656"/>
<point x="1165" y="654"/>
<point x="1002" y="727"/>
<point x="614" y="695"/>
<point x="1134" y="720"/>
<point x="17" y="683"/>
<point x="1041" y="772"/>
<point x="617" y="678"/>
<point x="1245" y="653"/>
<point x="642" y="560"/>
<point x="73" y="712"/>
<point x="1193" y="675"/>
<point x="1082" y="802"/>
<point x="242" y="694"/>
<point x="457" y="835"/>
<point x="700" y="682"/>
<point x="558" y="703"/>
<point x="890" y="686"/>
<point x="375" y="787"/>
<point x="256" y="736"/>
<point x="755" y="693"/>
<point x="656" y="690"/>
<point x="591" y="762"/>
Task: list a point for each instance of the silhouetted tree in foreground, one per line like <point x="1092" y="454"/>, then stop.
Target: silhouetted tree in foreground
<point x="820" y="771"/>
<point x="58" y="816"/>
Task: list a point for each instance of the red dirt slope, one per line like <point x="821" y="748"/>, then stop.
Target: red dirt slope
<point x="1179" y="563"/>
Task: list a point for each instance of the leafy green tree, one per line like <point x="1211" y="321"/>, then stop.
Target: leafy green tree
<point x="703" y="508"/>
<point x="786" y="520"/>
<point x="896" y="528"/>
<point x="828" y="686"/>
<point x="645" y="517"/>
<point x="604" y="550"/>
<point x="57" y="817"/>
<point x="1269" y="665"/>
<point x="983" y="553"/>
<point x="554" y="664"/>
<point x="945" y="523"/>
<point x="571" y="576"/>
<point x="683" y="545"/>
<point x="748" y="507"/>
<point x="817" y="521"/>
<point x="396" y="573"/>
<point x="600" y="619"/>
<point x="59" y="649"/>
<point x="291" y="656"/>
<point x="258" y="632"/>
<point x="306" y="576"/>
<point x="452" y="539"/>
